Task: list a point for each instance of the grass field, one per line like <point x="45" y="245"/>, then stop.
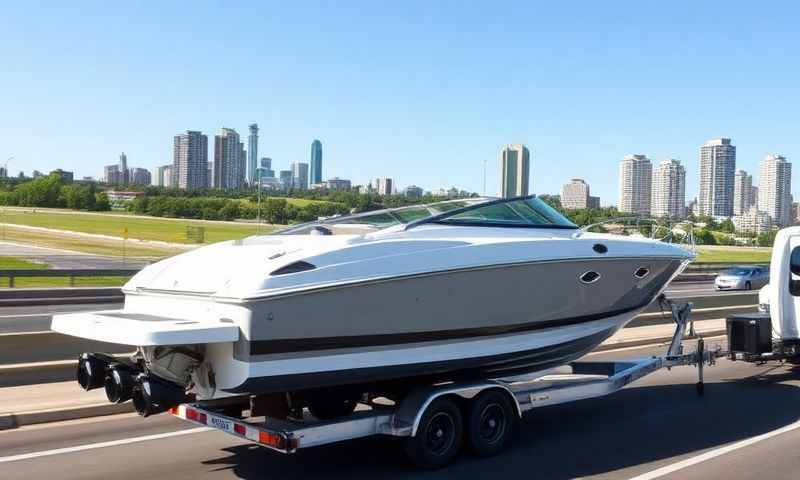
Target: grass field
<point x="15" y="263"/>
<point x="167" y="230"/>
<point x="732" y="255"/>
<point x="86" y="245"/>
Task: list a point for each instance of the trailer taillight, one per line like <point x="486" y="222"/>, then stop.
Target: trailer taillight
<point x="240" y="429"/>
<point x="191" y="414"/>
<point x="272" y="439"/>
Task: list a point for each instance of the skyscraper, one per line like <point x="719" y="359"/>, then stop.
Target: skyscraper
<point x="775" y="189"/>
<point x="669" y="190"/>
<point x="140" y="176"/>
<point x="228" y="162"/>
<point x="300" y="175"/>
<point x="514" y="170"/>
<point x="717" y="167"/>
<point x="161" y="177"/>
<point x="252" y="152"/>
<point x="123" y="169"/>
<point x="575" y="194"/>
<point x="190" y="160"/>
<point x="285" y="177"/>
<point x="265" y="170"/>
<point x="315" y="173"/>
<point x="742" y="192"/>
<point x="384" y="186"/>
<point x="635" y="182"/>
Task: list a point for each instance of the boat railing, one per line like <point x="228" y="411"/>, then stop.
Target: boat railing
<point x="680" y="232"/>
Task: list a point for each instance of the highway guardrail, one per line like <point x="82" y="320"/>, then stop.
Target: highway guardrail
<point x="68" y="273"/>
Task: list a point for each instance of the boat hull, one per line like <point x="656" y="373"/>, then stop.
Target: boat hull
<point x="494" y="321"/>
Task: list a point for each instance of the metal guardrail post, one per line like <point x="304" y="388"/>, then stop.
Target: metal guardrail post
<point x="11" y="281"/>
<point x="72" y="280"/>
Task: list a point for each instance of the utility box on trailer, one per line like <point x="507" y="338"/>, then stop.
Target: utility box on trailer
<point x="749" y="333"/>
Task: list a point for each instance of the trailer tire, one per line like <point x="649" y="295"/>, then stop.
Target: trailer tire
<point x="439" y="436"/>
<point x="491" y="423"/>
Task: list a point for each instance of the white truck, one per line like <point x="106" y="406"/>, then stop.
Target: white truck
<point x="773" y="333"/>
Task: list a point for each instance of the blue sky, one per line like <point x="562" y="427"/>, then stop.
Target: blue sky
<point x="424" y="92"/>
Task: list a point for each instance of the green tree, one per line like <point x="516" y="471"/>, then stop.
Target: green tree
<point x="766" y="239"/>
<point x="727" y="226"/>
<point x="102" y="204"/>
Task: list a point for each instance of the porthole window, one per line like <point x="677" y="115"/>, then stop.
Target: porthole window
<point x="641" y="272"/>
<point x="590" y="277"/>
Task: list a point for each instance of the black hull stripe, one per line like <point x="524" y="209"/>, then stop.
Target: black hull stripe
<point x="289" y="345"/>
<point x="494" y="366"/>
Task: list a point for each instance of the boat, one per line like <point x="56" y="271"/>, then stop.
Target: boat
<point x="371" y="303"/>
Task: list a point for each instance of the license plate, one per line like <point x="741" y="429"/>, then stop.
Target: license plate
<point x="221" y="423"/>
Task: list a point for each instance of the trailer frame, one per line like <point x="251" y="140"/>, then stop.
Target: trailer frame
<point x="577" y="381"/>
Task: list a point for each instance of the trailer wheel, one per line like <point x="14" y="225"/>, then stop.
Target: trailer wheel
<point x="490" y="423"/>
<point x="439" y="435"/>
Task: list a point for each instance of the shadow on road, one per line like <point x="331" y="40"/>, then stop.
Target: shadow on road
<point x="592" y="437"/>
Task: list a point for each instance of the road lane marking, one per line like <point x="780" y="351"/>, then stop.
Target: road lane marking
<point x="666" y="470"/>
<point x="92" y="446"/>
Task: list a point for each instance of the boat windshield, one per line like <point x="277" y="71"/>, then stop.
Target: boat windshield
<point x="481" y="211"/>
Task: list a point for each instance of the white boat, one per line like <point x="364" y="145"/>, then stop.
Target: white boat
<point x="371" y="303"/>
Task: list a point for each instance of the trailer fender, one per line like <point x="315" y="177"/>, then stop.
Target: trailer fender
<point x="413" y="406"/>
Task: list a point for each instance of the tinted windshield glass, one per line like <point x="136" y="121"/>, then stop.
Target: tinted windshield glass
<point x="521" y="212"/>
<point x="379" y="219"/>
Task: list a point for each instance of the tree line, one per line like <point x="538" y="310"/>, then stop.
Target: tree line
<point x="52" y="191"/>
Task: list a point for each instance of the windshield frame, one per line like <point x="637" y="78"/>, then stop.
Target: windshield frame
<point x="439" y="218"/>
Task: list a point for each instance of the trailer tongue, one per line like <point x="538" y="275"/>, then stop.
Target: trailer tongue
<point x="430" y="417"/>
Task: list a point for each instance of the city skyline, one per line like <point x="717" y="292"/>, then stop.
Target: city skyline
<point x="402" y="103"/>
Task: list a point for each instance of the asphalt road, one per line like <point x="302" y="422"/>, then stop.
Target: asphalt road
<point x="657" y="424"/>
<point x="37" y="318"/>
<point x="65" y="259"/>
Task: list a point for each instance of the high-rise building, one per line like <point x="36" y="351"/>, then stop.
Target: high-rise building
<point x="162" y="174"/>
<point x="754" y="196"/>
<point x="635" y="182"/>
<point x="300" y="175"/>
<point x="140" y="176"/>
<point x="717" y="167"/>
<point x="742" y="192"/>
<point x="413" y="191"/>
<point x="775" y="189"/>
<point x="575" y="194"/>
<point x="753" y="221"/>
<point x="315" y="173"/>
<point x="265" y="169"/>
<point x="229" y="173"/>
<point x="514" y="170"/>
<point x="123" y="168"/>
<point x="384" y="186"/>
<point x="252" y="151"/>
<point x="285" y="177"/>
<point x="112" y="174"/>
<point x="190" y="160"/>
<point x="337" y="183"/>
<point x="669" y="190"/>
<point x="210" y="171"/>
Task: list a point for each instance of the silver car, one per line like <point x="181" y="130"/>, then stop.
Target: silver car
<point x="742" y="278"/>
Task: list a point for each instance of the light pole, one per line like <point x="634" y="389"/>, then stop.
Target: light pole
<point x="5" y="166"/>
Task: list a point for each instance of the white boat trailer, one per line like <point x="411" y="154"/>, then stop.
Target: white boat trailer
<point x="426" y="418"/>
